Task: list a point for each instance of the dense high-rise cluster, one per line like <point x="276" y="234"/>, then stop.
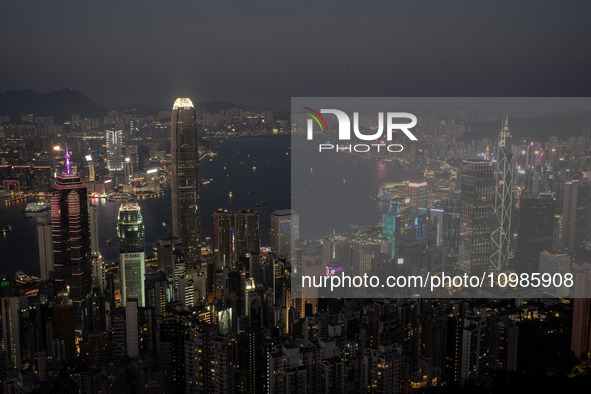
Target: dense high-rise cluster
<point x="196" y="314"/>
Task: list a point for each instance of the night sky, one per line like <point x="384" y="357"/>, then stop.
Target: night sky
<point x="258" y="54"/>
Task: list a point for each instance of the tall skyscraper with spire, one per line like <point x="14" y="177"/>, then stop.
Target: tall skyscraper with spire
<point x="71" y="241"/>
<point x="501" y="233"/>
<point x="185" y="178"/>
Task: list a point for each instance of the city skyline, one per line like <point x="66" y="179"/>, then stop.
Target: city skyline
<point x="237" y="308"/>
<point x="228" y="197"/>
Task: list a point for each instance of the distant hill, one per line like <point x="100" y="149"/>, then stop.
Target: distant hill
<point x="61" y="104"/>
<point x="537" y="128"/>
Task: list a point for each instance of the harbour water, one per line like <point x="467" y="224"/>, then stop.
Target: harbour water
<point x="246" y="172"/>
<point x="253" y="169"/>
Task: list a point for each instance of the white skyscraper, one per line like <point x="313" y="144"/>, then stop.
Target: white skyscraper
<point x="131" y="244"/>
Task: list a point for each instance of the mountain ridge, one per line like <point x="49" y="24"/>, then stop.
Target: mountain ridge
<point x="63" y="103"/>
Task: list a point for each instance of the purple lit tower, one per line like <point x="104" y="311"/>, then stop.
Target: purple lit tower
<point x="71" y="241"/>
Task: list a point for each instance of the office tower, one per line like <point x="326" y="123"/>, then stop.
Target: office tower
<point x="333" y="375"/>
<point x="131" y="328"/>
<point x="98" y="273"/>
<point x="128" y="170"/>
<point x="119" y="336"/>
<point x="186" y="292"/>
<point x="222" y="350"/>
<point x="197" y="354"/>
<point x="64" y="329"/>
<point x="285" y="228"/>
<point x="251" y="373"/>
<point x="95" y="350"/>
<point x="501" y="232"/>
<point x="171" y="262"/>
<point x="381" y="369"/>
<point x="99" y="312"/>
<point x="131" y="244"/>
<point x="576" y="215"/>
<point x="364" y="255"/>
<point x="114" y="150"/>
<point x="336" y="249"/>
<point x="44" y="235"/>
<point x="581" y="332"/>
<point x="236" y="292"/>
<point x="171" y="349"/>
<point x="94" y="238"/>
<point x="504" y="349"/>
<point x="222" y="240"/>
<point x="91" y="173"/>
<point x="71" y="241"/>
<point x="536" y="231"/>
<point x="156" y="289"/>
<point x="9" y="319"/>
<point x="185" y="178"/>
<point x="235" y="236"/>
<point x="475" y="215"/>
<point x="555" y="263"/>
<point x="246" y="233"/>
<point x="417" y="194"/>
<point x="475" y="338"/>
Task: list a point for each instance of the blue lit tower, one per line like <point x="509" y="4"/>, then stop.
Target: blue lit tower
<point x="389" y="223"/>
<point x="502" y="203"/>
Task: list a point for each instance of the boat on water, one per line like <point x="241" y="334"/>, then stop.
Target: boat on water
<point x="35" y="207"/>
<point x="119" y="197"/>
<point x="262" y="203"/>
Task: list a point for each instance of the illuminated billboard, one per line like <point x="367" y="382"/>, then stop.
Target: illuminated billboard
<point x="225" y="320"/>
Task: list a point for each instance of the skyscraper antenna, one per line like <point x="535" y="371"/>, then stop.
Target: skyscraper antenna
<point x="67" y="160"/>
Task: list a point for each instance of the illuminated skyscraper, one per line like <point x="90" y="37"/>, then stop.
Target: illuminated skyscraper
<point x="71" y="241"/>
<point x="235" y="236"/>
<point x="503" y="203"/>
<point x="114" y="150"/>
<point x="417" y="194"/>
<point x="223" y="240"/>
<point x="185" y="178"/>
<point x="246" y="232"/>
<point x="131" y="243"/>
<point x="475" y="214"/>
